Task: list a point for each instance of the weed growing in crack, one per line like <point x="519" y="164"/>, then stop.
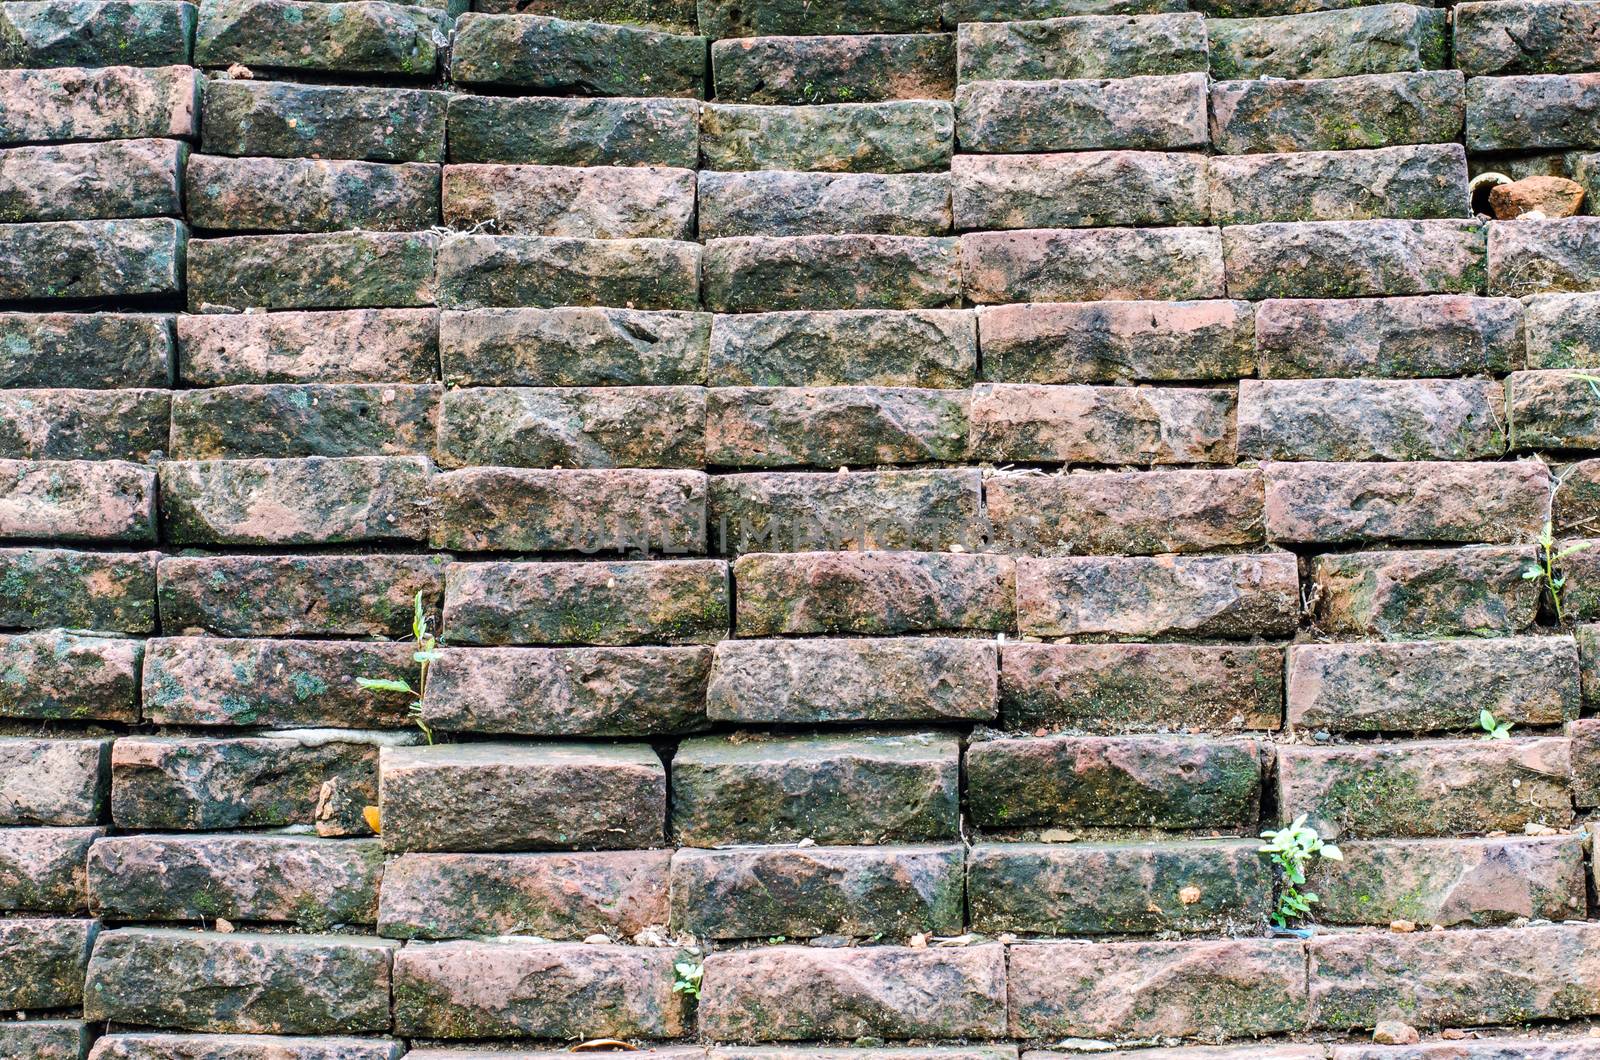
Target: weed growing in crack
<point x="426" y="655"/>
<point x="686" y="975"/>
<point x="1543" y="568"/>
<point x="1493" y="728"/>
<point x="1292" y="849"/>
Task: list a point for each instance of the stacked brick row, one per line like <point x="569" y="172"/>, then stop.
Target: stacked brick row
<point x="906" y="493"/>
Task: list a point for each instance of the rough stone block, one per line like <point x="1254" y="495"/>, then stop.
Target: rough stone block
<point x="1383" y="39"/>
<point x="573" y="346"/>
<point x="367" y="37"/>
<point x="77" y="500"/>
<point x="1118" y="341"/>
<point x="1340" y="259"/>
<point x="72" y="424"/>
<point x="546" y="271"/>
<point x="63" y="182"/>
<point x="1027" y="423"/>
<point x="1400" y="182"/>
<point x="60" y="676"/>
<point x="44" y="961"/>
<point x="104" y="103"/>
<point x="42" y="869"/>
<point x="1160" y="113"/>
<point x="554" y="57"/>
<point x="575" y="132"/>
<point x="152" y="1046"/>
<point x="1563" y="330"/>
<point x="849" y="789"/>
<point x="955" y="12"/>
<point x="1585" y="737"/>
<point x="1415" y="337"/>
<point x="91" y="259"/>
<point x="1527" y="37"/>
<point x="853" y="68"/>
<point x="552" y="427"/>
<point x="282" y="119"/>
<point x="476" y="797"/>
<point x="1575" y="509"/>
<point x="1425" y="592"/>
<point x="1483" y="1048"/>
<point x="1079" y="190"/>
<point x="87" y="33"/>
<point x="1080" y="265"/>
<point x="588" y="202"/>
<point x="337" y="346"/>
<point x="804" y="511"/>
<point x="282" y="420"/>
<point x="1337" y="114"/>
<point x="87" y="350"/>
<point x="335" y="270"/>
<point x="935" y="348"/>
<point x="47" y="587"/>
<point x="310" y="194"/>
<point x="905" y="136"/>
<point x="759" y="427"/>
<point x="1533" y="112"/>
<point x="802" y="204"/>
<point x="1370" y="419"/>
<point x="757" y="273"/>
<point x="1083" y="46"/>
<point x="730" y="18"/>
<point x="46" y="1039"/>
<point x="915" y="1052"/>
<point x="1527" y="257"/>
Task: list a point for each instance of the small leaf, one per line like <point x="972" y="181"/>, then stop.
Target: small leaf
<point x="426" y="656"/>
<point x="369" y="814"/>
<point x="1487" y="720"/>
<point x="1331" y="852"/>
<point x="1530" y="574"/>
<point x="384" y="685"/>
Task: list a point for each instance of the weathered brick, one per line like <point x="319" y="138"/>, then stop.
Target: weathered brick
<point x="315" y="500"/>
<point x="71" y="424"/>
<point x="1526" y="37"/>
<point x="1429" y="335"/>
<point x="955" y="12"/>
<point x="90" y="33"/>
<point x="554" y="57"/>
<point x="370" y="37"/>
<point x="1079" y="189"/>
<point x="1078" y="265"/>
<point x="803" y="511"/>
<point x="475" y="797"/>
<point x="42" y="962"/>
<point x="1145" y="597"/>
<point x="335" y="270"/>
<point x="851" y="789"/>
<point x="1386" y="38"/>
<point x="1575" y="509"/>
<point x="1337" y="114"/>
<point x="1483" y="1048"/>
<point x="48" y="1040"/>
<point x="310" y="194"/>
<point x="934" y="348"/>
<point x="42" y="869"/>
<point x="1118" y="341"/>
<point x="1533" y="112"/>
<point x="153" y="1046"/>
<point x="781" y="682"/>
<point x="545" y="271"/>
<point x="831" y="426"/>
<point x="904" y="136"/>
<point x="282" y="119"/>
<point x="1370" y="419"/>
<point x="106" y="103"/>
<point x="801" y="204"/>
<point x="1527" y="257"/>
<point x="1159" y="113"/>
<point x="91" y="259"/>
<point x="583" y="510"/>
<point x="47" y="587"/>
<point x="731" y="18"/>
<point x="678" y="15"/>
<point x="1588" y="638"/>
<point x="281" y="420"/>
<point x="1432" y="685"/>
<point x="556" y="896"/>
<point x="1338" y="259"/>
<point x="573" y="347"/>
<point x="77" y="500"/>
<point x="792" y="993"/>
<point x="1563" y="330"/>
<point x="60" y="676"/>
<point x="1585" y="736"/>
<point x="540" y="990"/>
<point x="1117" y="888"/>
<point x="756" y="273"/>
<point x="873" y="592"/>
<point x="1128" y="687"/>
<point x="124" y="178"/>
<point x="1162" y="782"/>
<point x="599" y="427"/>
<point x="575" y="132"/>
<point x="853" y="68"/>
<point x="1425" y="592"/>
<point x="1085" y="46"/>
<point x="1455" y="978"/>
<point x="243" y="982"/>
<point x="1101" y="424"/>
<point x="1212" y="989"/>
<point x="1452" y="882"/>
<point x="338" y="346"/>
<point x="759" y="892"/>
<point x="88" y="350"/>
<point x="589" y="202"/>
<point x="312" y="882"/>
<point x="1431" y="788"/>
<point x="1400" y="182"/>
<point x="916" y="1052"/>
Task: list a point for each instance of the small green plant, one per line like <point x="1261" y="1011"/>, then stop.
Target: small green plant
<point x="686" y="975"/>
<point x="1291" y="849"/>
<point x="426" y="655"/>
<point x="1543" y="567"/>
<point x="1493" y="728"/>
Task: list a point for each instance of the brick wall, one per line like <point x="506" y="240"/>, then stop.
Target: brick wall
<point x="907" y="491"/>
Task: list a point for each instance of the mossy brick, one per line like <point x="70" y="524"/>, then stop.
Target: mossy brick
<point x="1119" y="425"/>
<point x="63" y="423"/>
<point x="468" y="1052"/>
<point x="86" y="350"/>
<point x="774" y="427"/>
<point x="42" y="869"/>
<point x="744" y="274"/>
<point x="1419" y="336"/>
<point x="805" y="204"/>
<point x="1455" y="978"/>
<point x="365" y="37"/>
<point x="1431" y="686"/>
<point x="241" y="982"/>
<point x="1588" y="638"/>
<point x="475" y="797"/>
<point x="1110" y="688"/>
<point x="1452" y="882"/>
<point x="149" y="1045"/>
<point x="1329" y="503"/>
<point x="588" y="427"/>
<point x="265" y="780"/>
<point x="1082" y="46"/>
<point x="891" y="1052"/>
<point x="795" y="993"/>
<point x="312" y="500"/>
<point x="878" y="593"/>
<point x="553" y="895"/>
<point x="1533" y="112"/>
<point x="547" y="271"/>
<point x="956" y="12"/>
<point x="54" y="675"/>
<point x="1082" y="189"/>
<point x="803" y="511"/>
<point x="574" y="347"/>
<point x="804" y="682"/>
<point x="761" y="18"/>
<point x="1211" y="989"/>
<point x="88" y="33"/>
<point x="1117" y="888"/>
<point x="1172" y="783"/>
<point x="1425" y="593"/>
<point x="1343" y="259"/>
<point x="540" y="990"/>
<point x="1339" y="113"/>
<point x="333" y="346"/>
<point x="1382" y="39"/>
<point x="1428" y="788"/>
<point x="853" y="789"/>
<point x="308" y="881"/>
<point x="587" y="510"/>
<point x="104" y="103"/>
<point x="332" y="270"/>
<point x="282" y="420"/>
<point x="1145" y="597"/>
<point x="1424" y="181"/>
<point x="756" y="892"/>
<point x="291" y="596"/>
<point x="61" y="182"/>
<point x="1484" y="1047"/>
<point x="1563" y="330"/>
<point x="901" y="136"/>
<point x="574" y="131"/>
<point x="283" y="119"/>
<point x="1527" y="37"/>
<point x="1574" y="510"/>
<point x="609" y="691"/>
<point x="1081" y="265"/>
<point x="1585" y="736"/>
<point x="552" y="56"/>
<point x="77" y="500"/>
<point x="43" y="961"/>
<point x="1152" y="113"/>
<point x="1370" y="419"/>
<point x="584" y="202"/>
<point x="1124" y="512"/>
<point x="849" y="68"/>
<point x="1531" y="257"/>
<point x="936" y="348"/>
<point x="677" y="15"/>
<point x="91" y="259"/>
<point x="109" y="591"/>
<point x="57" y="1039"/>
<point x="310" y="194"/>
<point x="1117" y="341"/>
